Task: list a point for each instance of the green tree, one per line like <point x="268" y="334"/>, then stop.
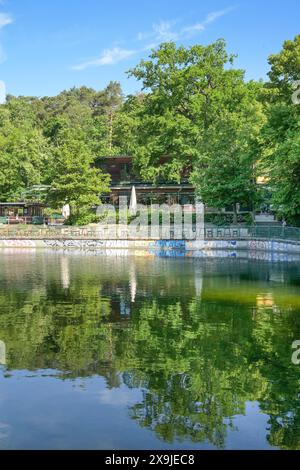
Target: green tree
<point x="109" y="101"/>
<point x="24" y="155"/>
<point x="280" y="148"/>
<point x="198" y="110"/>
<point x="225" y="171"/>
<point x="74" y="180"/>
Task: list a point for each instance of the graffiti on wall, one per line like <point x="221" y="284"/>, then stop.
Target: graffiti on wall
<point x="214" y="254"/>
<point x="258" y="245"/>
<point x="212" y="245"/>
<point x="169" y="253"/>
<point x="87" y="244"/>
<point x="19" y="244"/>
<point x="252" y="249"/>
<point x="169" y="245"/>
<point x="284" y="247"/>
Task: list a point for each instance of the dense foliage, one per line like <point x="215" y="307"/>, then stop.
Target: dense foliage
<point x="195" y="108"/>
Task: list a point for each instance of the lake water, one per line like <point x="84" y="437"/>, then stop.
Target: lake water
<point x="146" y="353"/>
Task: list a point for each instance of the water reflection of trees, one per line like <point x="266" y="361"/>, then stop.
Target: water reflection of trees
<point x="197" y="360"/>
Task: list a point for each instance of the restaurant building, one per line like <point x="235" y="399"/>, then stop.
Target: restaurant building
<point x="19" y="212"/>
<point x="124" y="177"/>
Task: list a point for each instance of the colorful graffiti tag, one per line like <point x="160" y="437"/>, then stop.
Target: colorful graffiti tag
<point x="252" y="249"/>
<point x="19" y="243"/>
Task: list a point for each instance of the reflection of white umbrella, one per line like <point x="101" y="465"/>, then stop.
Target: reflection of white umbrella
<point x="198" y="283"/>
<point x="65" y="272"/>
<point x="66" y="211"/>
<point x="133" y="202"/>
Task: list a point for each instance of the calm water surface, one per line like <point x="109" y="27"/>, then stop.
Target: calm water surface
<point x="128" y="353"/>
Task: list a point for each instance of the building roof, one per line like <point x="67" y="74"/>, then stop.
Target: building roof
<point x="113" y="157"/>
<point x="21" y="204"/>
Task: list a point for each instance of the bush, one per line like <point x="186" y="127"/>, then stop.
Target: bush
<point x="220" y="220"/>
<point x="85" y="218"/>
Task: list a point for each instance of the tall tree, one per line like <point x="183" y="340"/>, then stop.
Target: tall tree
<point x="281" y="133"/>
<point x="74" y="180"/>
<point x="225" y="172"/>
<point x="24" y="155"/>
<point x="198" y="109"/>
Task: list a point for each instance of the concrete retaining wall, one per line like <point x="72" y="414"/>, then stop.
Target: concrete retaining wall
<point x="255" y="249"/>
<point x="178" y="245"/>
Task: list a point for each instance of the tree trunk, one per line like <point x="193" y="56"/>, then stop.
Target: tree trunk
<point x="110" y="130"/>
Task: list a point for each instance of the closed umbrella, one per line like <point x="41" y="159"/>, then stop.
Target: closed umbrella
<point x="132" y="283"/>
<point x="66" y="211"/>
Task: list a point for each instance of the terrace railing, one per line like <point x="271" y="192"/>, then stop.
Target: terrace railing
<point x="267" y="232"/>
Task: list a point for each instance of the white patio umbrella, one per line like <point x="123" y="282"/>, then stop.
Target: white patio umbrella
<point x="133" y="202"/>
<point x="132" y="283"/>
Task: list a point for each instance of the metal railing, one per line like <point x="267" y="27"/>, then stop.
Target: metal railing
<point x="267" y="232"/>
<point x="119" y="232"/>
<point x="276" y="232"/>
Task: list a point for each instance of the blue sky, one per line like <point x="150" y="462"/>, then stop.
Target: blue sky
<point x="50" y="45"/>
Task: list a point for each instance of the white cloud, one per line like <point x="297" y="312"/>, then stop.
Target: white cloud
<point x="161" y="32"/>
<point x="5" y="19"/>
<point x="193" y="29"/>
<point x="213" y="16"/>
<point x="118" y="397"/>
<point x="108" y="57"/>
<point x="201" y="26"/>
<point x="2" y="55"/>
<point x="164" y="31"/>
